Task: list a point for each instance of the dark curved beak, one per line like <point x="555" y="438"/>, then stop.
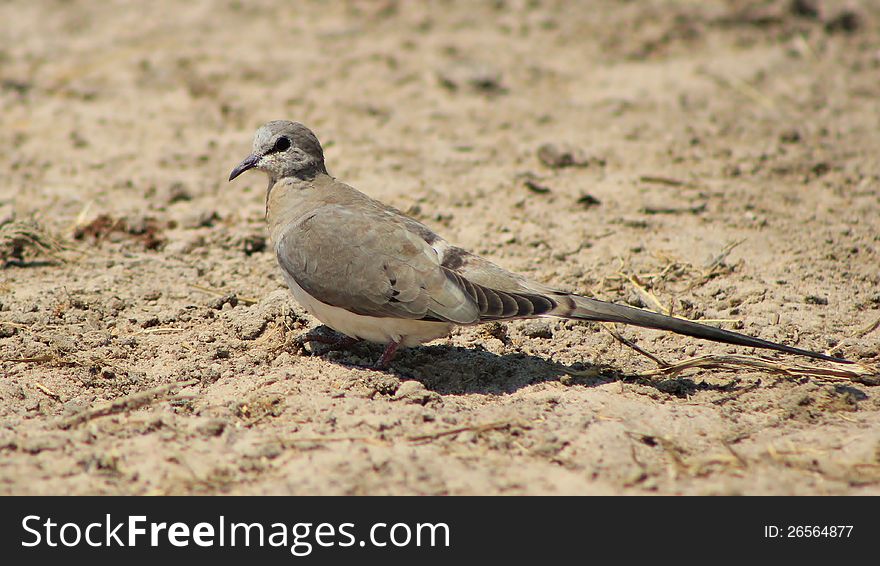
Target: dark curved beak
<point x="249" y="163"/>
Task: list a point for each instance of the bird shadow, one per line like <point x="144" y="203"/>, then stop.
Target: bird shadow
<point x="456" y="370"/>
<point x="447" y="370"/>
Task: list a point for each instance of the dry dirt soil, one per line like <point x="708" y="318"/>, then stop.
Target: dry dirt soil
<point x="716" y="158"/>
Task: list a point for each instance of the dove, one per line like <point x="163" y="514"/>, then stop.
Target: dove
<point x="370" y="272"/>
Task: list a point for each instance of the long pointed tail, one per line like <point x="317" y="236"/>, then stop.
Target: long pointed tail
<point x="601" y="311"/>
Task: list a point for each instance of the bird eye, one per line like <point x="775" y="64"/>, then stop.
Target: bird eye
<point x="281" y="144"/>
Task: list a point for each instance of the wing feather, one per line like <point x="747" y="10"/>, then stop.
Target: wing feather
<point x="371" y="266"/>
<point x="371" y="263"/>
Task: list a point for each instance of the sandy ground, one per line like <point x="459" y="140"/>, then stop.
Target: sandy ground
<point x="723" y="160"/>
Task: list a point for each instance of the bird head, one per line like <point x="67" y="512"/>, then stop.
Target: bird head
<point x="284" y="149"/>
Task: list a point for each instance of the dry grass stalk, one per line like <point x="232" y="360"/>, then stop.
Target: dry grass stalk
<point x="840" y="372"/>
<point x="127" y="403"/>
<point x="216" y="293"/>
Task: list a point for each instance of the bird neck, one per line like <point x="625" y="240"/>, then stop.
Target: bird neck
<point x="303" y="176"/>
<point x="307" y="170"/>
<point x="291" y="197"/>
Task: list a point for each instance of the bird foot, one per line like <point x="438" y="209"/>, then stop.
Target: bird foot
<point x="387" y="355"/>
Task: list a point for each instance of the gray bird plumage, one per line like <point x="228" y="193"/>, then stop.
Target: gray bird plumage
<point x="369" y="271"/>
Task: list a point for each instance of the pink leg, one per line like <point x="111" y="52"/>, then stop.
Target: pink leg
<point x="387" y="355"/>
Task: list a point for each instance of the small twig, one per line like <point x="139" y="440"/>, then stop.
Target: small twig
<point x="742" y="461"/>
<point x="611" y="330"/>
<point x="216" y="293"/>
<point x="475" y="428"/>
<point x="603" y="235"/>
<point x="658" y="306"/>
<point x="666" y="444"/>
<point x="719" y="259"/>
<point x="696" y="209"/>
<point x="416" y="438"/>
<point x="858" y="372"/>
<point x="32" y="359"/>
<point x="675" y="453"/>
<point x="47" y="391"/>
<point x="127" y="403"/>
<point x="160" y="330"/>
<point x="668" y="181"/>
<point x="745" y="89"/>
<point x="320" y="439"/>
<point x="867" y="329"/>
